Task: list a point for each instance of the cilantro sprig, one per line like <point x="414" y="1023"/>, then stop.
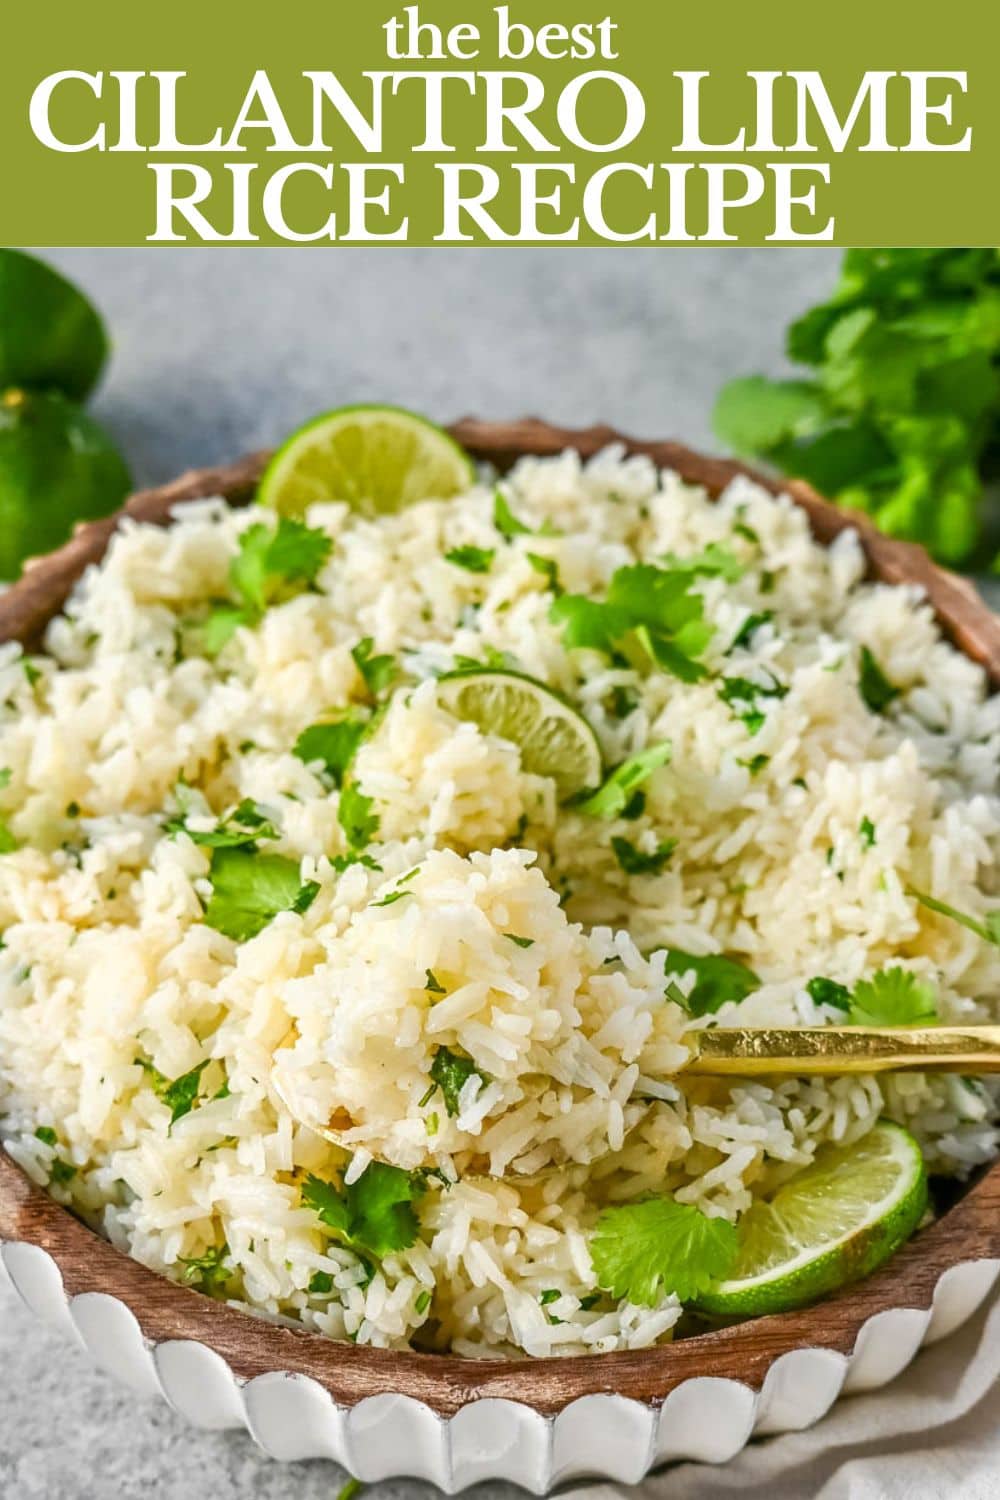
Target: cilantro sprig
<point x="988" y="928"/>
<point x="890" y="997"/>
<point x="451" y="1071"/>
<point x="658" y="608"/>
<point x="272" y="565"/>
<point x="648" y="1251"/>
<point x="333" y="743"/>
<point x="374" y="1214"/>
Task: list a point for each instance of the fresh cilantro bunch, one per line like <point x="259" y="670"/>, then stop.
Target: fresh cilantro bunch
<point x="900" y="416"/>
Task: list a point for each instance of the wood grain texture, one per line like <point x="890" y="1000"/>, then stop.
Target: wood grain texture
<point x="969" y="1231"/>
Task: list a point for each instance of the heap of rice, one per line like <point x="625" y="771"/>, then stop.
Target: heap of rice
<point x="522" y="944"/>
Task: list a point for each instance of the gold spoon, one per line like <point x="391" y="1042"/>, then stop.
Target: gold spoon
<point x="802" y="1051"/>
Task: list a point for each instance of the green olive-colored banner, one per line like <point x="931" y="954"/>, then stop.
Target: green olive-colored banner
<point x="638" y="122"/>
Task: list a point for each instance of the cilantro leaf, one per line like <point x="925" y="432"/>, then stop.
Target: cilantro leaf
<point x="717" y="979"/>
<point x="742" y="695"/>
<point x="893" y="997"/>
<point x="46" y="1135"/>
<point x="239" y="829"/>
<point x="451" y="1071"/>
<point x="612" y="798"/>
<point x="218" y="629"/>
<point x="658" y="605"/>
<point x="275" y="563"/>
<point x="250" y="889"/>
<point x="744" y="636"/>
<point x="355" y="815"/>
<point x="988" y="928"/>
<point x="373" y="1214"/>
<point x="873" y="685"/>
<point x="378" y="671"/>
<point x="635" y="862"/>
<point x="829" y="992"/>
<point x="754" y="764"/>
<point x="333" y="743"/>
<point x="549" y="569"/>
<point x="472" y="559"/>
<point x="713" y="561"/>
<point x="178" y="1094"/>
<point x="867" y="833"/>
<point x="320" y="1284"/>
<point x="651" y="1250"/>
<point x="505" y="520"/>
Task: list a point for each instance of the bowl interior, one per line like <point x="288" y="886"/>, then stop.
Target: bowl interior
<point x="968" y="1231"/>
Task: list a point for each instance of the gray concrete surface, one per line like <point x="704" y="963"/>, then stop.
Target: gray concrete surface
<point x="218" y="351"/>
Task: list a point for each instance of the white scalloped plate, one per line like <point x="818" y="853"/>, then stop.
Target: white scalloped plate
<point x="291" y="1416"/>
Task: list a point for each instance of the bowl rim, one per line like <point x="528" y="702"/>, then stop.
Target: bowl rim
<point x="166" y="1311"/>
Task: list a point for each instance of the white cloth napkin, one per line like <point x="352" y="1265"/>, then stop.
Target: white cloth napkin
<point x="933" y="1434"/>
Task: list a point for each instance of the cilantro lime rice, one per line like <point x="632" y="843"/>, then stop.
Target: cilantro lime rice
<point x="248" y="851"/>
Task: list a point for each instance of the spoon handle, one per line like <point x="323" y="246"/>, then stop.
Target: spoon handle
<point x="749" y="1051"/>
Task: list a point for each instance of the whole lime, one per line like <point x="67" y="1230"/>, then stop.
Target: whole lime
<point x="57" y="466"/>
<point x="51" y="338"/>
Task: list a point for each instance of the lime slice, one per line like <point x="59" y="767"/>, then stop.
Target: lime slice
<point x="552" y="737"/>
<point x="833" y="1223"/>
<point x="377" y="458"/>
<point x="57" y="466"/>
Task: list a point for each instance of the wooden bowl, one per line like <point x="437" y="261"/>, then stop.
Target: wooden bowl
<point x="534" y="1421"/>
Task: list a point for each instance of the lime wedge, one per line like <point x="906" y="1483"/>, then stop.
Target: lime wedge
<point x="832" y="1223"/>
<point x="552" y="737"/>
<point x="377" y="458"/>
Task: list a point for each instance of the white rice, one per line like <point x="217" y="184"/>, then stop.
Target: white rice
<point x="107" y="959"/>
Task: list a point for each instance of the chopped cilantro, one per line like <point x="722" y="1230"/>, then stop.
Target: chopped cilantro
<point x="31" y="672"/>
<point x="208" y="1272"/>
<point x="342" y="862"/>
<point x="374" y="1213"/>
<point x="658" y="606"/>
<point x="271" y="565"/>
<point x="549" y="569"/>
<point x="741" y="694"/>
<point x="713" y="561"/>
<point x="829" y="992"/>
<point x="591" y="1300"/>
<point x="423" y="1301"/>
<point x="635" y="862"/>
<point x="8" y="841"/>
<point x="240" y="829"/>
<point x="391" y="898"/>
<point x="377" y="671"/>
<point x="320" y="1284"/>
<point x="873" y="685"/>
<point x="754" y="764"/>
<point x="645" y="1252"/>
<point x="867" y="833"/>
<point x="450" y="1071"/>
<point x="349" y="1490"/>
<point x="744" y="636"/>
<point x="718" y="979"/>
<point x="893" y="997"/>
<point x="355" y="815"/>
<point x="61" y="1172"/>
<point x="472" y="559"/>
<point x="46" y="1135"/>
<point x="432" y="985"/>
<point x="505" y="520"/>
<point x="522" y="942"/>
<point x="551" y="1294"/>
<point x="612" y="798"/>
<point x="988" y="928"/>
<point x="250" y="889"/>
<point x="333" y="744"/>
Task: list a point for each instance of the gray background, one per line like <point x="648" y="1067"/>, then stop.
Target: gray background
<point x="219" y="351"/>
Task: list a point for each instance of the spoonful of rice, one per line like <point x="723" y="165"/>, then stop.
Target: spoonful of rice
<point x="462" y="1023"/>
